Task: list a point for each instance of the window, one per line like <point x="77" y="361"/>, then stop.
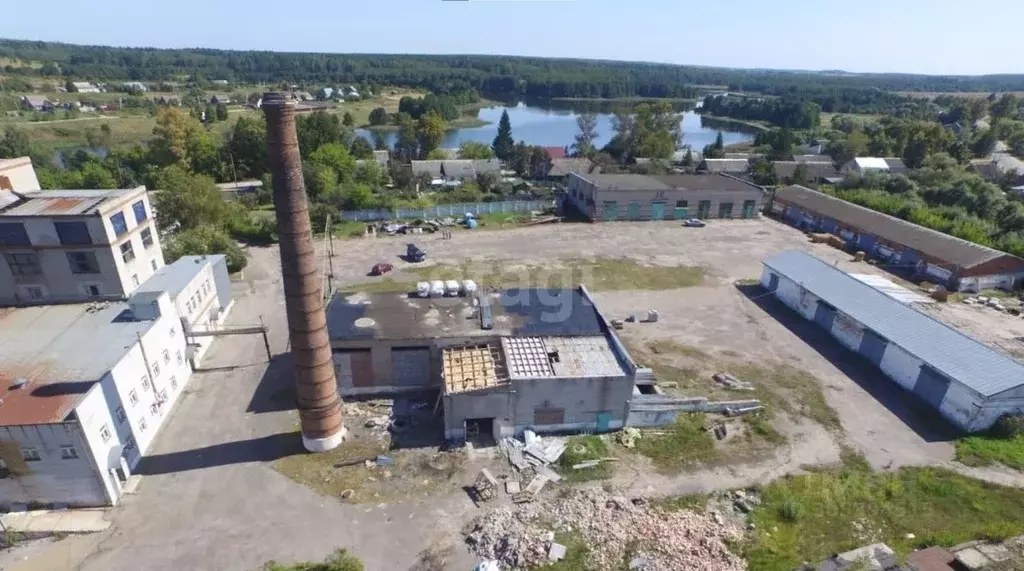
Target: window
<point x="13" y="234"/>
<point x="156" y="369"/>
<point x="682" y="204"/>
<point x="174" y="382"/>
<point x="68" y="452"/>
<point x="73" y="233"/>
<point x="153" y="264"/>
<point x="83" y="263"/>
<point x="142" y="424"/>
<point x="140" y="211"/>
<point x="154" y="409"/>
<point x="180" y="361"/>
<point x="30" y="455"/>
<point x="91" y="290"/>
<point x="127" y="253"/>
<point x="135" y="280"/>
<point x="24" y="264"/>
<point x="129" y="444"/>
<point x="145" y="381"/>
<point x="121" y="414"/>
<point x="167" y="356"/>
<point x="147" y="237"/>
<point x="133" y="397"/>
<point x="119" y="225"/>
<point x="104" y="433"/>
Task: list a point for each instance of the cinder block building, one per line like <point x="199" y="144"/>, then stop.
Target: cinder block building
<point x="939" y="258"/>
<point x="610" y="197"/>
<point x="67" y="246"/>
<point x="503" y="362"/>
<point x="967" y="382"/>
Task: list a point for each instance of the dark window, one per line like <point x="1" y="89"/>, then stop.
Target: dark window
<point x="73" y="233"/>
<point x="147" y="237"/>
<point x="682" y="203"/>
<point x="24" y="264"/>
<point x="140" y="211"/>
<point x="83" y="263"/>
<point x="127" y="253"/>
<point x="120" y="226"/>
<point x="13" y="234"/>
<point x="92" y="290"/>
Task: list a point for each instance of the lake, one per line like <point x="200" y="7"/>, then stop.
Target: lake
<point x="557" y="128"/>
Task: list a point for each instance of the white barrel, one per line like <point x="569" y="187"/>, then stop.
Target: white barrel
<point x="437" y="288"/>
<point x="451" y="287"/>
<point x="423" y="289"/>
<point x="468" y="287"/>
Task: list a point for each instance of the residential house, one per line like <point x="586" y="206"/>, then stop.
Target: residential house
<point x="556" y="152"/>
<point x="455" y="170"/>
<point x="352" y="92"/>
<point x="303" y="96"/>
<point x="381" y="158"/>
<point x="220" y="82"/>
<point x="730" y="166"/>
<point x="999" y="167"/>
<point x="562" y="168"/>
<point x="325" y="93"/>
<point x="600" y="197"/>
<point x="864" y="165"/>
<point x="930" y="255"/>
<point x="36" y="103"/>
<point x="220" y="100"/>
<point x="134" y="87"/>
<point x="85" y="87"/>
<point x="815" y="172"/>
<point x="62" y="246"/>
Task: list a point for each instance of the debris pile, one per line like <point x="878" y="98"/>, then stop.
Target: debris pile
<point x="522" y="537"/>
<point x="628" y="436"/>
<point x="533" y="458"/>
<point x="728" y="381"/>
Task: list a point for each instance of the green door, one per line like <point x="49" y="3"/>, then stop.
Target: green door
<point x="682" y="212"/>
<point x="657" y="210"/>
<point x="604" y="421"/>
<point x="610" y="210"/>
<point x="703" y="209"/>
<point x="748" y="208"/>
<point x="725" y="210"/>
<point x="633" y="211"/>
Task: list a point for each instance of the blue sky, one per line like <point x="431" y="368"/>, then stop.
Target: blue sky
<point x="918" y="36"/>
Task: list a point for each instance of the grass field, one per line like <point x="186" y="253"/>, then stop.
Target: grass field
<point x="984" y="450"/>
<point x="580" y="449"/>
<point x="810" y="517"/>
<point x="682" y="444"/>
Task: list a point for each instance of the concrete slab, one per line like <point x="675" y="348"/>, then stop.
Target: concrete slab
<point x="995" y="551"/>
<point x="972" y="559"/>
<point x="70" y="521"/>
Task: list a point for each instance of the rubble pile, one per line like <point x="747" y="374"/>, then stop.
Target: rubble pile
<point x="521" y="537"/>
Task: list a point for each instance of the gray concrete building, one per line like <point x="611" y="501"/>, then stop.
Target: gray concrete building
<point x="502" y="362"/>
<point x="609" y="197"/>
<point x="62" y="246"/>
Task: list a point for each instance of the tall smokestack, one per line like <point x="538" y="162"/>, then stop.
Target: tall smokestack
<point x="315" y="386"/>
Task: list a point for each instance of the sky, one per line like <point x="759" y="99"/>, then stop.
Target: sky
<point x="912" y="36"/>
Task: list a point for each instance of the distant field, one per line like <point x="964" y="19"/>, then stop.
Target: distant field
<point x="962" y="94"/>
<point x="826" y="118"/>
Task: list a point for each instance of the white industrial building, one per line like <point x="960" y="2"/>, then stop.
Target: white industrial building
<point x="969" y="383"/>
<point x="85" y="388"/>
<point x="67" y="246"/>
<point x="16" y="175"/>
<point x="201" y="293"/>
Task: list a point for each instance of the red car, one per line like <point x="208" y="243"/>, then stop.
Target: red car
<point x="380" y="269"/>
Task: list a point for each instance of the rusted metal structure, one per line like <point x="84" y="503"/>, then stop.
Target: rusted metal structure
<point x="315" y="385"/>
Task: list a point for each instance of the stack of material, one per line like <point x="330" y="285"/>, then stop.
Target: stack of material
<point x="731" y="382"/>
<point x="533" y="457"/>
<point x="611" y="526"/>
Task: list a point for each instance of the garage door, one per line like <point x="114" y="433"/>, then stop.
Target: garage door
<point x="412" y="366"/>
<point x="353" y="367"/>
<point x="931" y="386"/>
<point x="872" y="347"/>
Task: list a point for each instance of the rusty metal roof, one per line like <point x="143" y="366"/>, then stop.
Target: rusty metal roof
<point x="64" y="202"/>
<point x="60" y="351"/>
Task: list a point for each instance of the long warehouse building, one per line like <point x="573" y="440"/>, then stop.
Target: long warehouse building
<point x="930" y="255"/>
<point x="969" y="383"/>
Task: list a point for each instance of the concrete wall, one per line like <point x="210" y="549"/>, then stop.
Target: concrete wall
<point x="493" y="403"/>
<point x="660" y="410"/>
<point x="18" y="175"/>
<point x="581" y="399"/>
<point x="901" y="366"/>
<point x="382" y="360"/>
<point x="95" y="418"/>
<point x="75" y="482"/>
<point x="847" y="330"/>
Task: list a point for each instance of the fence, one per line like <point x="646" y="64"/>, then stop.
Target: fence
<point x="445" y="210"/>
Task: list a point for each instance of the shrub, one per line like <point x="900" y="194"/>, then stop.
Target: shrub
<point x="1009" y="426"/>
<point x="205" y="241"/>
<point x="791" y="511"/>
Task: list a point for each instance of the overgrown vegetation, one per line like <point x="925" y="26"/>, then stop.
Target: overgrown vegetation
<point x="677" y="446"/>
<point x="692" y="502"/>
<point x="810" y="517"/>
<point x="579" y="449"/>
<point x="340" y="560"/>
<point x="1003" y="444"/>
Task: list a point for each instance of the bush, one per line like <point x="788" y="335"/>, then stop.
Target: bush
<point x="205" y="241"/>
<point x="1008" y="426"/>
<point x="341" y="560"/>
<point x="791" y="511"/>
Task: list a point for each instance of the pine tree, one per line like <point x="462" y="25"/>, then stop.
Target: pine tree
<point x="503" y="143"/>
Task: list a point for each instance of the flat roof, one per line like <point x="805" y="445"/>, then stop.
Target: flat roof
<point x="66" y="202"/>
<point x="960" y="357"/>
<point x="560" y="357"/>
<point x="643" y="182"/>
<point x="61" y="351"/>
<point x="520" y="312"/>
<point x="175" y="277"/>
<point x="931" y="243"/>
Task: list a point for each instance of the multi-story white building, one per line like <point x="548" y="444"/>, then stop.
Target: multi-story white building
<point x="84" y="388"/>
<point x="65" y="246"/>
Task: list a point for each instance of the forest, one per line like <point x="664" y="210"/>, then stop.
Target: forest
<point x="508" y="75"/>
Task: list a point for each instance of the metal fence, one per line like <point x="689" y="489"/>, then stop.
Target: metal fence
<point x="445" y="210"/>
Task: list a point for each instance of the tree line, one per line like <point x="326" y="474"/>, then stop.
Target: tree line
<point x="523" y="76"/>
<point x="784" y="112"/>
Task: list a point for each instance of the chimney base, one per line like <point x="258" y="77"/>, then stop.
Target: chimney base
<point x="324" y="444"/>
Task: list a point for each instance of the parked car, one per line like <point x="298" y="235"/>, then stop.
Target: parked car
<point x="380" y="269"/>
<point x="694" y="223"/>
<point x="414" y="254"/>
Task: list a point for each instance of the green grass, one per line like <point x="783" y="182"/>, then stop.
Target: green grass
<point x="576" y="552"/>
<point x="683" y="444"/>
<point x="760" y="425"/>
<point x="986" y="449"/>
<point x="669" y="346"/>
<point x="692" y="502"/>
<point x="340" y="560"/>
<point x="579" y="449"/>
<point x="809" y="517"/>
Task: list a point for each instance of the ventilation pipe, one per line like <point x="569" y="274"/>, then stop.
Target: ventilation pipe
<point x="315" y="385"/>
